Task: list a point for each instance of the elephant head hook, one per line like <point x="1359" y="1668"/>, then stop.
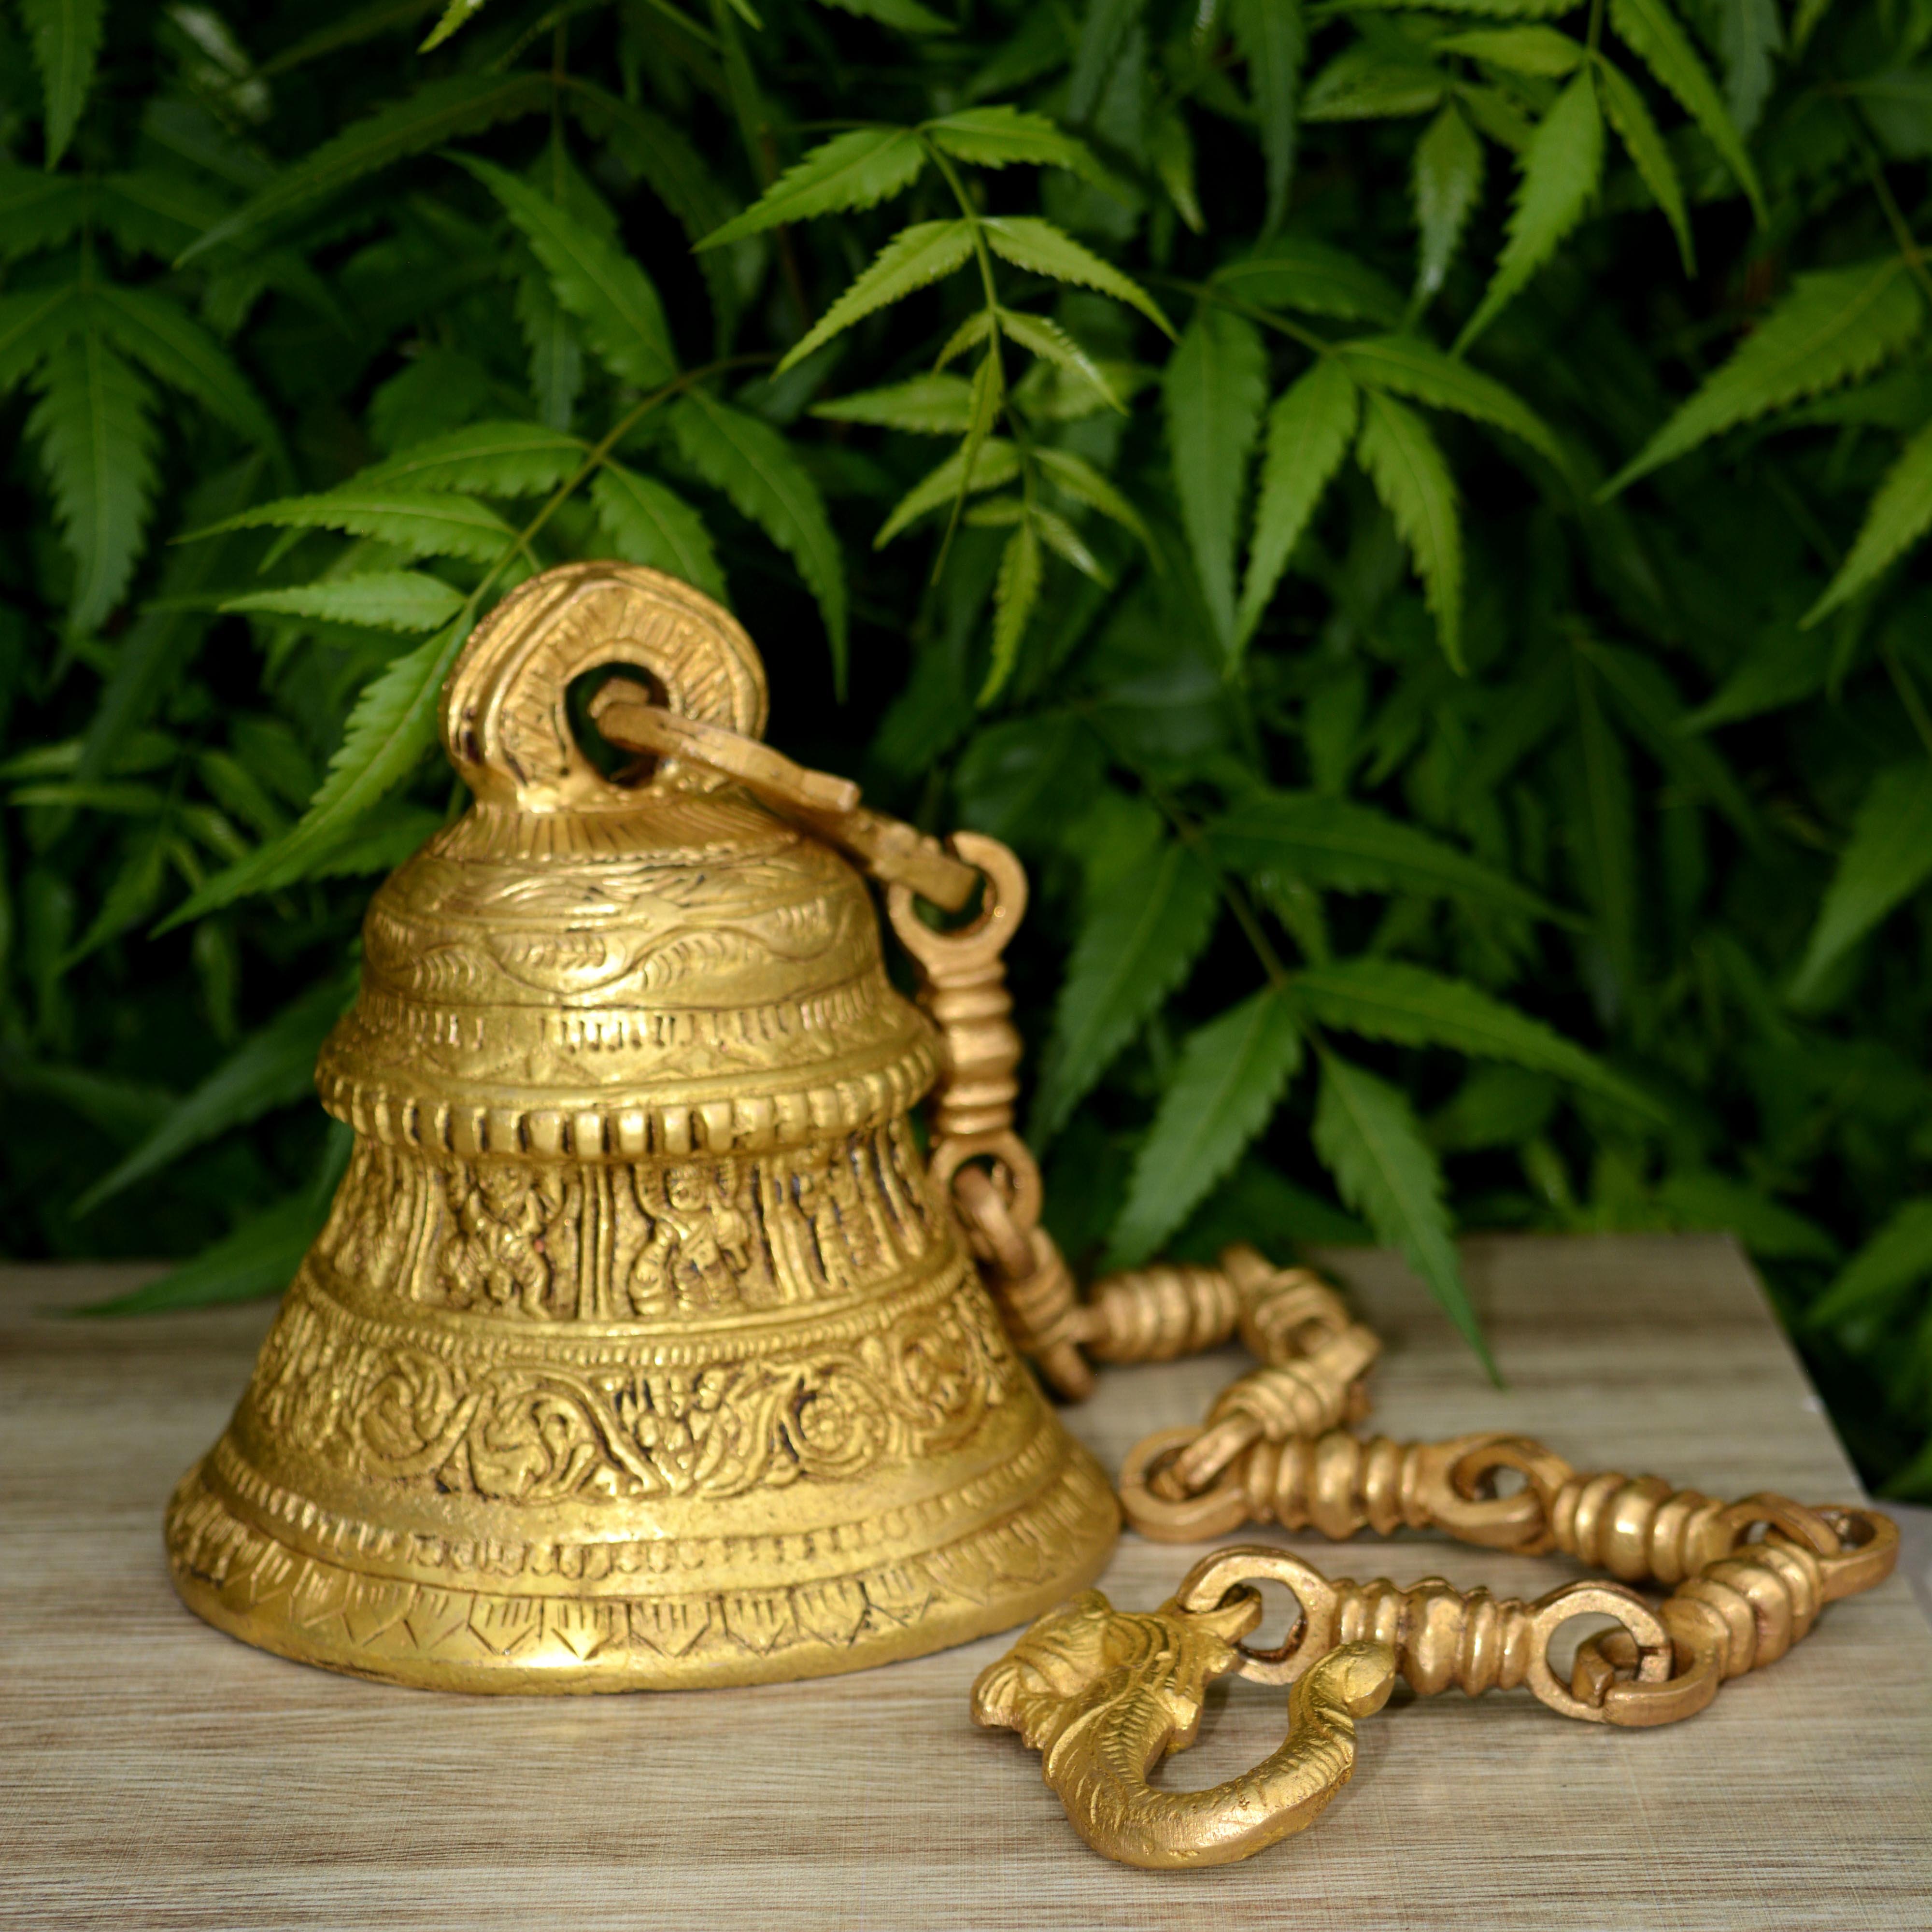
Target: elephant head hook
<point x="1104" y="1694"/>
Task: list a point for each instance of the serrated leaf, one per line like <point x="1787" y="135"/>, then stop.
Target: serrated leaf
<point x="455" y="16"/>
<point x="1044" y="337"/>
<point x="389" y="600"/>
<point x="272" y="1068"/>
<point x="852" y="170"/>
<point x="1412" y="479"/>
<point x="1649" y="152"/>
<point x="1370" y="1141"/>
<point x="1560" y="170"/>
<point x="94" y="425"/>
<point x="756" y="468"/>
<point x="1003" y="136"/>
<point x="1171" y="148"/>
<point x="1104" y="32"/>
<point x="936" y="404"/>
<point x="1648" y="30"/>
<point x="1887" y="859"/>
<point x="1309" y="431"/>
<point x="1412" y="366"/>
<point x="1783" y="665"/>
<point x="995" y="463"/>
<point x="33" y="325"/>
<point x="259" y="1258"/>
<point x="1540" y="52"/>
<point x="1137" y="944"/>
<point x="37" y="211"/>
<point x="1695" y="1198"/>
<point x="492" y="459"/>
<point x="1447" y="182"/>
<point x="1898" y="1255"/>
<point x="555" y="345"/>
<point x="1230" y="1075"/>
<point x="1333" y="843"/>
<point x="423" y="523"/>
<point x="1295" y="272"/>
<point x="908" y="16"/>
<point x="174" y="347"/>
<point x="1898" y="515"/>
<point x="1388" y="999"/>
<point x="1042" y="249"/>
<point x="623" y="320"/>
<point x="1015" y="592"/>
<point x="1272" y="39"/>
<point x="435" y="113"/>
<point x="66" y="36"/>
<point x="1214" y="388"/>
<point x="1364" y="83"/>
<point x="393" y="725"/>
<point x="1831" y="327"/>
<point x="1603" y="814"/>
<point x="913" y="257"/>
<point x="647" y="523"/>
<point x="1085" y="484"/>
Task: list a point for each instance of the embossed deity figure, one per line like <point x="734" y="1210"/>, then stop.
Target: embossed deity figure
<point x="640" y="1349"/>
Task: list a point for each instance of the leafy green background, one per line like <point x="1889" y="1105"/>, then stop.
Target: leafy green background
<point x="1406" y="517"/>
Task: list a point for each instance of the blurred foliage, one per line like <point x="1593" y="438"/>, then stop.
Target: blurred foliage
<point x="1408" y="518"/>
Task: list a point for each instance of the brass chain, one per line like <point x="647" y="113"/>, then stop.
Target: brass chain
<point x="1275" y="1445"/>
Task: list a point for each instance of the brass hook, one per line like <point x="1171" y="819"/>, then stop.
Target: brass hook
<point x="1104" y="1694"/>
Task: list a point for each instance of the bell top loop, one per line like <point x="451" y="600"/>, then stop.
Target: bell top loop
<point x="505" y="723"/>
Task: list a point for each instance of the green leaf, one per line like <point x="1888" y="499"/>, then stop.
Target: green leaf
<point x="393" y="725"/>
<point x="492" y="459"/>
<point x="1295" y="272"/>
<point x="931" y="405"/>
<point x="1273" y="40"/>
<point x="456" y="16"/>
<point x="1603" y="827"/>
<point x="1700" y="1198"/>
<point x="1230" y="1075"/>
<point x="435" y="113"/>
<point x="1832" y="326"/>
<point x="424" y="523"/>
<point x="176" y="347"/>
<point x="1898" y="1256"/>
<point x="1309" y="431"/>
<point x="1448" y="183"/>
<point x="622" y="318"/>
<point x="388" y="600"/>
<point x="1540" y="52"/>
<point x="260" y="1258"/>
<point x="1411" y="367"/>
<point x="647" y="523"/>
<point x="854" y="170"/>
<point x="66" y="36"/>
<point x="1044" y="337"/>
<point x="1215" y="387"/>
<point x="1899" y="514"/>
<point x="1364" y="83"/>
<point x="37" y="211"/>
<point x="1887" y="859"/>
<point x="1334" y="843"/>
<point x="1654" y="36"/>
<point x="1370" y="1141"/>
<point x="1171" y="148"/>
<point x="35" y="324"/>
<point x="995" y="463"/>
<point x="913" y="257"/>
<point x="1042" y="249"/>
<point x="1137" y="942"/>
<point x="94" y="423"/>
<point x="1388" y="999"/>
<point x="1496" y="1105"/>
<point x="1560" y="170"/>
<point x="1649" y="152"/>
<point x="757" y="469"/>
<point x="1783" y="665"/>
<point x="1015" y="591"/>
<point x="908" y="16"/>
<point x="555" y="349"/>
<point x="272" y="1068"/>
<point x="1080" y="480"/>
<point x="1413" y="480"/>
<point x="1000" y="137"/>
<point x="1103" y="34"/>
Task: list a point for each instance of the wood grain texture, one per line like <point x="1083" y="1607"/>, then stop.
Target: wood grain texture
<point x="154" y="1774"/>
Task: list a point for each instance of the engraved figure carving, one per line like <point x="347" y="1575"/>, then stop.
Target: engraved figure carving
<point x="502" y="1251"/>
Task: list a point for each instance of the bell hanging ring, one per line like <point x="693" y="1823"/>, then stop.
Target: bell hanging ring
<point x="640" y="1350"/>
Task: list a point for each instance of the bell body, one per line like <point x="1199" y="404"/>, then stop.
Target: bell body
<point x="640" y="1349"/>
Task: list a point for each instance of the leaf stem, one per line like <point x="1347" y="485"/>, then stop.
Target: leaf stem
<point x="1267" y="318"/>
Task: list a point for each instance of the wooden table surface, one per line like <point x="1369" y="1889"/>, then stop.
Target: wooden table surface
<point x="155" y="1774"/>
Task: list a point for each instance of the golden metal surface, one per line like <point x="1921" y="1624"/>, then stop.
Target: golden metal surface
<point x="640" y="1348"/>
<point x="1103" y="1695"/>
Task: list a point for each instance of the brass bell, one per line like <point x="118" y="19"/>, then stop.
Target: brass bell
<point x="640" y="1350"/>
